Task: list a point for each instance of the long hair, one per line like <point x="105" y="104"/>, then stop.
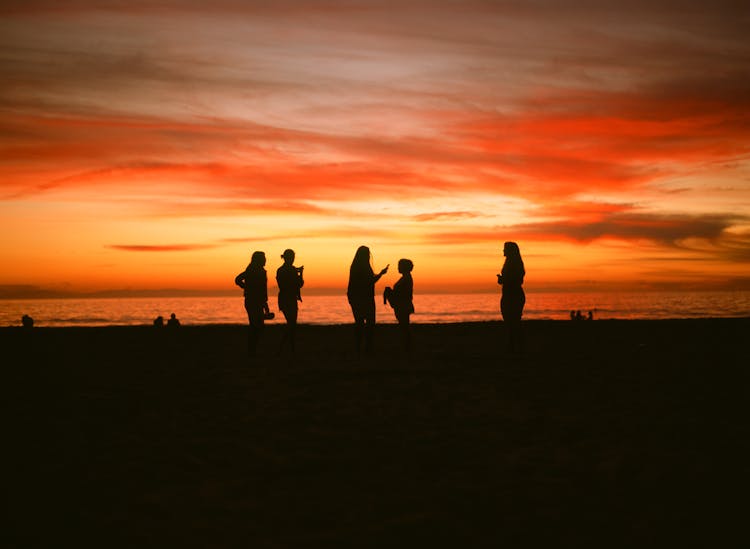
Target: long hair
<point x="257" y="260"/>
<point x="361" y="261"/>
<point x="513" y="260"/>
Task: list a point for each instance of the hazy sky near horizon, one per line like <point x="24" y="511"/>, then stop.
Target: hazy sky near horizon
<point x="157" y="144"/>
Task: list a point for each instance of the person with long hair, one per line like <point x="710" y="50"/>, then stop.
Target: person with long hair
<point x="254" y="281"/>
<point x="289" y="279"/>
<point x="513" y="297"/>
<point x="361" y="295"/>
<point x="401" y="298"/>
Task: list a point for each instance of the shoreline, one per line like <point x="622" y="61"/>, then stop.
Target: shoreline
<point x="277" y="324"/>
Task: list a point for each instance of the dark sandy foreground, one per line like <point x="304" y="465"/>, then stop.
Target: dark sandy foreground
<point x="608" y="433"/>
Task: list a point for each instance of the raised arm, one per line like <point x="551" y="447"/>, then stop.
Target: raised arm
<point x="381" y="273"/>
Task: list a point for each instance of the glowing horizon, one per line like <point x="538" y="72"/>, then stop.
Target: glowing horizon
<point x="156" y="147"/>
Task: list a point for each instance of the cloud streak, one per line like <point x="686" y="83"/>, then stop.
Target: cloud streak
<point x="671" y="231"/>
<point x="150" y="248"/>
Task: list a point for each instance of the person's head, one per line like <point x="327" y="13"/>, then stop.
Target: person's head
<point x="405" y="266"/>
<point x="258" y="259"/>
<point x="510" y="249"/>
<point x="173" y="316"/>
<point x="361" y="258"/>
<point x="288" y="256"/>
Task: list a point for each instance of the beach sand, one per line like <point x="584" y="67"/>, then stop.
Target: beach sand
<point x="606" y="433"/>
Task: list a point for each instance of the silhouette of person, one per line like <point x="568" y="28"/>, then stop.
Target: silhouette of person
<point x="159" y="322"/>
<point x="513" y="297"/>
<point x="401" y="298"/>
<point x="27" y="322"/>
<point x="361" y="295"/>
<point x="579" y="316"/>
<point x="173" y="322"/>
<point x="289" y="279"/>
<point x="254" y="281"/>
<point x="590" y="316"/>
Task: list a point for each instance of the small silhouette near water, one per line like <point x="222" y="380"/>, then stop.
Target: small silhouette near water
<point x="173" y="322"/>
<point x="513" y="297"/>
<point x="27" y="322"/>
<point x="254" y="283"/>
<point x="159" y="322"/>
<point x="360" y="293"/>
<point x="401" y="298"/>
<point x="578" y="315"/>
<point x="290" y="281"/>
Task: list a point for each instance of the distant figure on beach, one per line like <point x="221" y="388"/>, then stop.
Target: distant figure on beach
<point x="572" y="315"/>
<point x="513" y="298"/>
<point x="361" y="295"/>
<point x="290" y="281"/>
<point x="590" y="316"/>
<point x="173" y="322"/>
<point x="579" y="316"/>
<point x="401" y="298"/>
<point x="27" y="322"/>
<point x="159" y="322"/>
<point x="254" y="281"/>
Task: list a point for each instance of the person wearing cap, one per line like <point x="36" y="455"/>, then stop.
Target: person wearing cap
<point x="290" y="281"/>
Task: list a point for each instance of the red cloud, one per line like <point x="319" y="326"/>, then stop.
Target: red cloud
<point x="567" y="143"/>
<point x="552" y="147"/>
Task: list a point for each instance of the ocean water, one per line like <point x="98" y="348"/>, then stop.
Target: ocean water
<point x="335" y="309"/>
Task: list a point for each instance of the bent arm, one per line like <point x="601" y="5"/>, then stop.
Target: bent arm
<point x="240" y="280"/>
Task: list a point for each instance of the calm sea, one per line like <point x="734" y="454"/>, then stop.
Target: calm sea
<point x="335" y="309"/>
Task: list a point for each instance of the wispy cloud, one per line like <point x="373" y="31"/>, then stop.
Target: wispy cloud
<point x="671" y="230"/>
<point x="161" y="247"/>
<point x="446" y="216"/>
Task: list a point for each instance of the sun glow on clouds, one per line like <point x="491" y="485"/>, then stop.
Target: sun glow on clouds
<point x="152" y="147"/>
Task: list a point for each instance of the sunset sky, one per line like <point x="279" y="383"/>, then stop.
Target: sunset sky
<point x="149" y="145"/>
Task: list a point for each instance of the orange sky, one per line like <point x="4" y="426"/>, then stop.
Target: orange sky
<point x="146" y="148"/>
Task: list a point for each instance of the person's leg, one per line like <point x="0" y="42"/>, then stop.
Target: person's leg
<point x="369" y="319"/>
<point x="510" y="308"/>
<point x="520" y="343"/>
<point x="512" y="335"/>
<point x="359" y="327"/>
<point x="290" y="314"/>
<point x="255" y="327"/>
<point x="252" y="339"/>
<point x="405" y="331"/>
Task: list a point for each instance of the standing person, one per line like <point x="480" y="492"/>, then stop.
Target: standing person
<point x="254" y="282"/>
<point x="361" y="296"/>
<point x="289" y="279"/>
<point x="401" y="298"/>
<point x="513" y="298"/>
